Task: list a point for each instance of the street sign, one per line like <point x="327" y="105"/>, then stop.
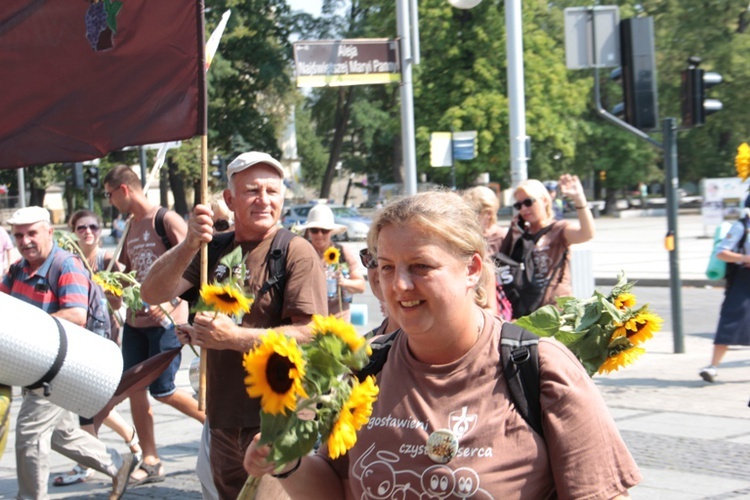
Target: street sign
<point x="440" y="149"/>
<point x="582" y="43"/>
<point x="323" y="63"/>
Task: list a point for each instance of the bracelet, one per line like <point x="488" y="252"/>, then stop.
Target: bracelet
<point x="581" y="208"/>
<point x="290" y="471"/>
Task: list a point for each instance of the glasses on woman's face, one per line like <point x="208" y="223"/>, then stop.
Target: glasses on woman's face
<point x="367" y="259"/>
<point x="317" y="230"/>
<point x="83" y="227"/>
<point x="221" y="225"/>
<point x="525" y="203"/>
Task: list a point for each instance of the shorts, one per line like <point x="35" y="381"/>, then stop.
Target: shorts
<point x="139" y="344"/>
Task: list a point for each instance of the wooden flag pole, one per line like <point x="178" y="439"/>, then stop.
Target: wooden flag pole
<point x="204" y="268"/>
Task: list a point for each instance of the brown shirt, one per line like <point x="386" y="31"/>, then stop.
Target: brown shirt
<point x="304" y="294"/>
<point x="499" y="456"/>
<point x="141" y="249"/>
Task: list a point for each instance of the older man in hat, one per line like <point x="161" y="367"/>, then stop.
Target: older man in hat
<point x="256" y="196"/>
<point x="42" y="425"/>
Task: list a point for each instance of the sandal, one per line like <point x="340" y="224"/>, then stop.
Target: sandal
<point x="135" y="449"/>
<point x="152" y="475"/>
<point x="77" y="475"/>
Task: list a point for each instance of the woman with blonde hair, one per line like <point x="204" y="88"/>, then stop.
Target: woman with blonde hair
<point x="535" y="222"/>
<point x="444" y="424"/>
<point x="87" y="226"/>
<point x="485" y="203"/>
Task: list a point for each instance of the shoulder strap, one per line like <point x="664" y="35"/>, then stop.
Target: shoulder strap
<point x="161" y="231"/>
<point x="216" y="249"/>
<point x="378" y="357"/>
<point x="62" y="351"/>
<point x="519" y="356"/>
<point x="277" y="261"/>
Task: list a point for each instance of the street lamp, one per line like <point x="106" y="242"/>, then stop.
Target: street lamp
<point x="408" y="32"/>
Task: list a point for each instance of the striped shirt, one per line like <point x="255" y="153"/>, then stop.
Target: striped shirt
<point x="72" y="287"/>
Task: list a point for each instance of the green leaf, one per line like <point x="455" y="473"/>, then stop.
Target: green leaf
<point x="544" y="322"/>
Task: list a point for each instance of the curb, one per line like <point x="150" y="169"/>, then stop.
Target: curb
<point x="662" y="282"/>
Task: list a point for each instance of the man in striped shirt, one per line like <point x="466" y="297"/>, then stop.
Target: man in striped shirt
<point x="41" y="425"/>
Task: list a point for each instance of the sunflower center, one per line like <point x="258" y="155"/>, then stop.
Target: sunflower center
<point x="277" y="373"/>
<point x="225" y="297"/>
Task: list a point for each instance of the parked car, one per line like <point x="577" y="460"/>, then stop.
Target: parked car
<point x="357" y="225"/>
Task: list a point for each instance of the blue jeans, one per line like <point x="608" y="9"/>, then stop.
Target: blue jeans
<point x="139" y="344"/>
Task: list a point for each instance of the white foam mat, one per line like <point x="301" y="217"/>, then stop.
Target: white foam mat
<point x="29" y="340"/>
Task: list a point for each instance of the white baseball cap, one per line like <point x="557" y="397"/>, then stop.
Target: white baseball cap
<point x="29" y="215"/>
<point x="247" y="160"/>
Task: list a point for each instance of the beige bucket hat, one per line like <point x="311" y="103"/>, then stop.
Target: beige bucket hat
<point x="321" y="216"/>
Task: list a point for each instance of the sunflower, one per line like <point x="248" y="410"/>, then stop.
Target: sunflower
<point x="642" y="327"/>
<point x="620" y="331"/>
<point x="106" y="286"/>
<point x="623" y="358"/>
<point x="342" y="329"/>
<point x="624" y="300"/>
<point x="331" y="256"/>
<point x="275" y="370"/>
<point x="353" y="415"/>
<point x="225" y="299"/>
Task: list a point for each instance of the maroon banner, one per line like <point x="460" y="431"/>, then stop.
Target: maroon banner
<point x="82" y="78"/>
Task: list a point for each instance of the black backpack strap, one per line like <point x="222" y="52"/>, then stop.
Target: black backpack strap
<point x="161" y="231"/>
<point x="276" y="262"/>
<point x="519" y="356"/>
<point x="62" y="351"/>
<point x="378" y="357"/>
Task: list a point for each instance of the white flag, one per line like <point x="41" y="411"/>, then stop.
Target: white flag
<point x="213" y="40"/>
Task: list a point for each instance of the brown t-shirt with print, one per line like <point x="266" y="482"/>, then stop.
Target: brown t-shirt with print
<point x="304" y="294"/>
<point x="141" y="249"/>
<point x="499" y="456"/>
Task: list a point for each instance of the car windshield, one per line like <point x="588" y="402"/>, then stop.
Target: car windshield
<point x="345" y="212"/>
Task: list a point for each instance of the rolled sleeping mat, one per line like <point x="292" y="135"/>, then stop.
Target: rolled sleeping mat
<point x="69" y="365"/>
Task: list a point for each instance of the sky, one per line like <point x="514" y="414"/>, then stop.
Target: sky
<point x="311" y="6"/>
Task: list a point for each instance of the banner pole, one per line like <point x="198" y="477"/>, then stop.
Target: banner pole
<point x="204" y="268"/>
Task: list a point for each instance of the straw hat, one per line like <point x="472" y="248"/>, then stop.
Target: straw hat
<point x="321" y="216"/>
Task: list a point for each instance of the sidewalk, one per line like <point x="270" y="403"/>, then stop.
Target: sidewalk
<point x="691" y="439"/>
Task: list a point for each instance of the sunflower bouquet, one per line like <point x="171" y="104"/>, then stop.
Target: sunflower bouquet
<point x="332" y="260"/>
<point x="742" y="161"/>
<point x="308" y="392"/>
<point x="228" y="295"/>
<point x="605" y="332"/>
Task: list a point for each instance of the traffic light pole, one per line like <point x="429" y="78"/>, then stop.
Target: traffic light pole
<point x="669" y="128"/>
<point x="669" y="148"/>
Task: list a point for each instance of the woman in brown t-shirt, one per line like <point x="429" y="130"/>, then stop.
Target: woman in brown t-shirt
<point x="534" y="213"/>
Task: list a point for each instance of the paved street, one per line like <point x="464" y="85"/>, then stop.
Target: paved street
<point x="691" y="439"/>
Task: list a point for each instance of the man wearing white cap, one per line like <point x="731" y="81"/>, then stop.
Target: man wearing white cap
<point x="41" y="425"/>
<point x="256" y="196"/>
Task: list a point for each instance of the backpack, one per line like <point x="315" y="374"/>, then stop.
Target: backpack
<point x="519" y="356"/>
<point x="161" y="231"/>
<point x="515" y="270"/>
<point x="740" y="248"/>
<point x="97" y="314"/>
<point x="276" y="263"/>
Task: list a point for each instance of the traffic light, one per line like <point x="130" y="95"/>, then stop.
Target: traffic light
<point x="638" y="73"/>
<point x="77" y="174"/>
<point x="695" y="82"/>
<point x="92" y="176"/>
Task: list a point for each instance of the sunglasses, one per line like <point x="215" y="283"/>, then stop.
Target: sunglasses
<point x="317" y="230"/>
<point x="525" y="203"/>
<point x="221" y="225"/>
<point x="109" y="194"/>
<point x="367" y="259"/>
<point x="82" y="228"/>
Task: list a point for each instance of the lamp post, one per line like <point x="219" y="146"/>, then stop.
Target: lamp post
<point x="408" y="32"/>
